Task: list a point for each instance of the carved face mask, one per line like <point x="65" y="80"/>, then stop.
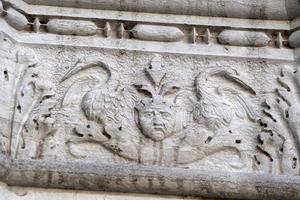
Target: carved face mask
<point x="157" y="121"/>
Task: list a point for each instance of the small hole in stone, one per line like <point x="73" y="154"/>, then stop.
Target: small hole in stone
<point x="278" y="100"/>
<point x="36" y="124"/>
<point x="294" y="163"/>
<point x="90" y="135"/>
<point x="263" y="124"/>
<point x="257" y="161"/>
<point x="208" y="140"/>
<point x="230" y="131"/>
<point x="120" y="128"/>
<point x="150" y="67"/>
<point x="281" y="74"/>
<point x="281" y="149"/>
<point x="271" y="134"/>
<point x="106" y="134"/>
<point x="238" y="141"/>
<point x="5" y="72"/>
<point x="19" y="108"/>
<point x="88" y="126"/>
<point x="47" y="115"/>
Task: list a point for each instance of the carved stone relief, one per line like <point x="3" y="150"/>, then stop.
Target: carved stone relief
<point x="151" y="109"/>
<point x="150" y="102"/>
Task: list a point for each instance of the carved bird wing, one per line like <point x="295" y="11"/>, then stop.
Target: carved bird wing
<point x="241" y="106"/>
<point x="108" y="106"/>
<point x="85" y="76"/>
<point x="215" y="112"/>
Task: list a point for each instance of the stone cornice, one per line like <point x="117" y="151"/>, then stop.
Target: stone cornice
<point x="201" y="35"/>
<point x="265" y="9"/>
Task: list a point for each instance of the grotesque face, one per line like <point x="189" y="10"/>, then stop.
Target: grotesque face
<point x="157" y="121"/>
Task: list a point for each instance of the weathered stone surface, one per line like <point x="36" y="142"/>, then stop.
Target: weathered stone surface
<point x="294" y="39"/>
<point x="71" y="27"/>
<point x="149" y="103"/>
<point x="20" y="193"/>
<point x="264" y="9"/>
<point x="157" y="33"/>
<point x="16" y="19"/>
<point x="244" y="38"/>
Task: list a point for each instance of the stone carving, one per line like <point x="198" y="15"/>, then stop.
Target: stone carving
<point x="27" y="92"/>
<point x="148" y="102"/>
<point x="213" y="108"/>
<point x="270" y="151"/>
<point x="157" y="33"/>
<point x="121" y="31"/>
<point x="71" y="27"/>
<point x="281" y="126"/>
<point x="161" y="137"/>
<point x="207" y="36"/>
<point x="21" y="21"/>
<point x="155" y="120"/>
<point x="36" y="25"/>
<point x="294" y="39"/>
<point x="194" y="35"/>
<point x="107" y="30"/>
<point x="279" y="40"/>
<point x="244" y="38"/>
<point x="155" y="116"/>
<point x="16" y="19"/>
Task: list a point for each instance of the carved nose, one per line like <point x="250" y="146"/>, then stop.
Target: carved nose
<point x="157" y="121"/>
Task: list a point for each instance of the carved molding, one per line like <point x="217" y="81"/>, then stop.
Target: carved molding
<point x="115" y="29"/>
<point x="242" y="9"/>
<point x="149" y="107"/>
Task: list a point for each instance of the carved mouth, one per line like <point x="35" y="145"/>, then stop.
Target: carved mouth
<point x="159" y="128"/>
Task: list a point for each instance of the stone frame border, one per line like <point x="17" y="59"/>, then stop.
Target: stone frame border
<point x="147" y="179"/>
<point x="150" y="179"/>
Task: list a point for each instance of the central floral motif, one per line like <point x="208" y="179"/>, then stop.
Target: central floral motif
<point x="155" y="116"/>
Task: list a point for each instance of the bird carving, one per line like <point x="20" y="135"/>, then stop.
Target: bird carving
<point x="101" y="105"/>
<point x="217" y="107"/>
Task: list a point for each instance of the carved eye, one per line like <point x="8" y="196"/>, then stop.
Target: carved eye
<point x="165" y="115"/>
<point x="148" y="114"/>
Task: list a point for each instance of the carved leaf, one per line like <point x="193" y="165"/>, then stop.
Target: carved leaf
<point x="169" y="88"/>
<point x="145" y="88"/>
<point x="241" y="106"/>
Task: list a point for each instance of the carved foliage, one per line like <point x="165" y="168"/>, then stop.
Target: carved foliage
<point x="280" y="137"/>
<point x="25" y="90"/>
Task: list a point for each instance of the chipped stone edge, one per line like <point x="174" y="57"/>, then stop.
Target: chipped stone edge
<point x="147" y="179"/>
